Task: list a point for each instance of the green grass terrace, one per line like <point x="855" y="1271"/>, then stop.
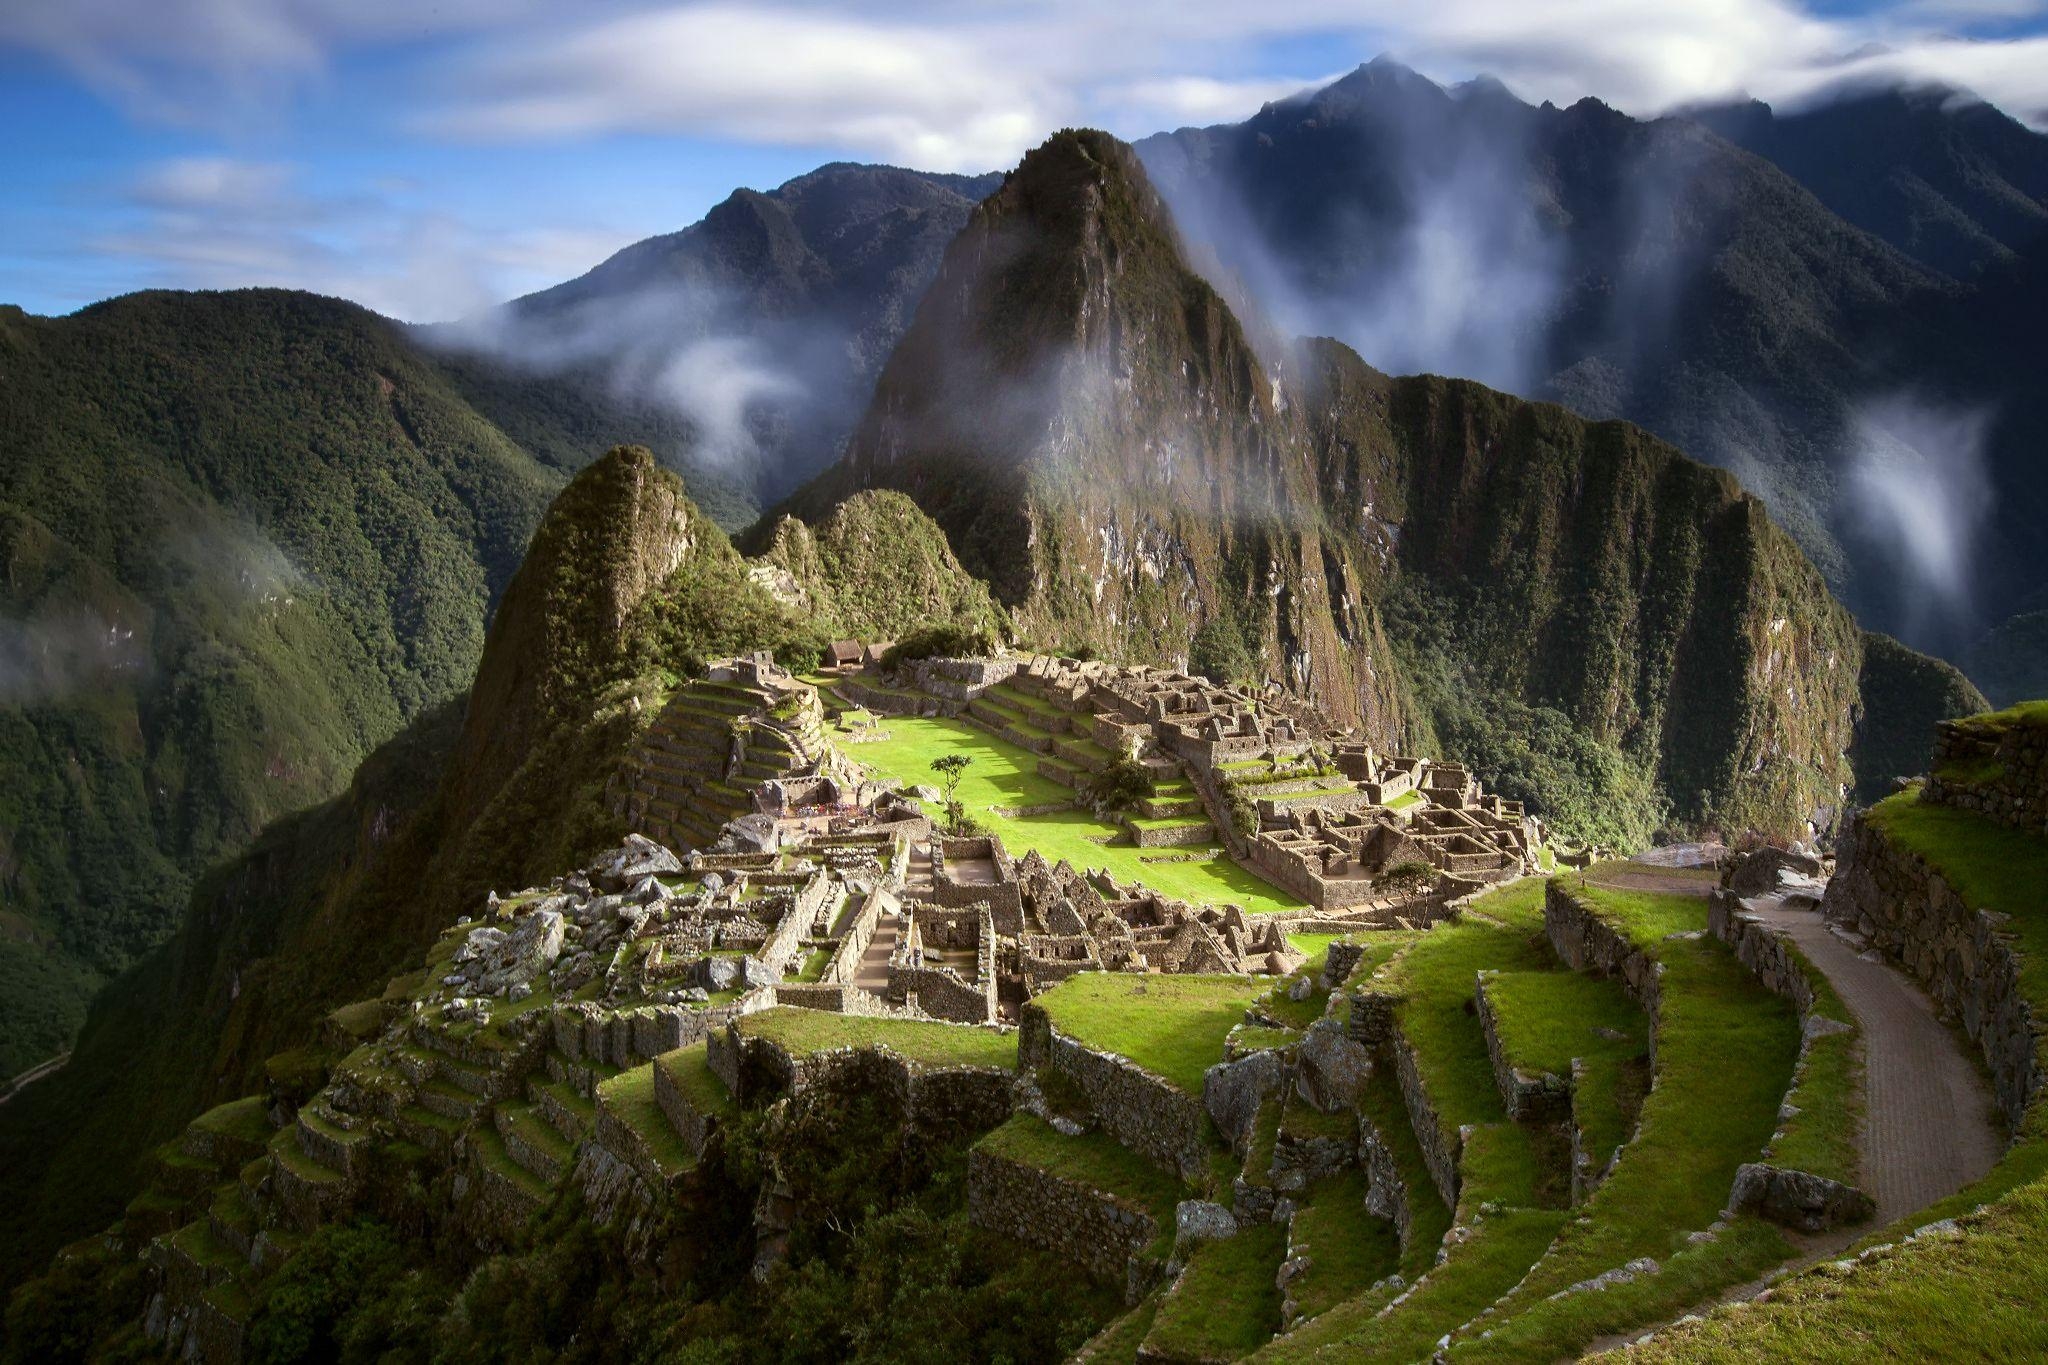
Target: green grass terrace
<point x="1006" y="777"/>
<point x="1173" y="1026"/>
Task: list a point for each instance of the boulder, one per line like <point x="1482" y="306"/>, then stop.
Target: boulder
<point x="721" y="973"/>
<point x="1198" y="1220"/>
<point x="1330" y="1068"/>
<point x="1233" y="1091"/>
<point x="638" y="857"/>
<point x="1797" y="1199"/>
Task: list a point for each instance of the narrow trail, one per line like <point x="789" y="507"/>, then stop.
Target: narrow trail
<point x="1929" y="1124"/>
<point x="1929" y="1127"/>
<point x="40" y="1071"/>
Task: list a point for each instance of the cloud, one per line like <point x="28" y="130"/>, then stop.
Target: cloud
<point x="1917" y="482"/>
<point x="955" y="87"/>
<point x="920" y="95"/>
<point x="222" y="222"/>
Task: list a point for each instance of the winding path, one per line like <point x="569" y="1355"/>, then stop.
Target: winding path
<point x="1929" y="1127"/>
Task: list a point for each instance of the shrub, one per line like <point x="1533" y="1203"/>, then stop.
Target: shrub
<point x="940" y="642"/>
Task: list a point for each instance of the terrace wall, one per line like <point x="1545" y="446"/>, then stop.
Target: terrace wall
<point x="1149" y="1115"/>
<point x="1588" y="943"/>
<point x="2001" y="774"/>
<point x="1965" y="959"/>
<point x="1102" y="1234"/>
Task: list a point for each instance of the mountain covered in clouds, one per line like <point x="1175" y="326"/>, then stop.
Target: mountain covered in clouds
<point x="741" y="348"/>
<point x="1782" y="295"/>
<point x="1597" y="624"/>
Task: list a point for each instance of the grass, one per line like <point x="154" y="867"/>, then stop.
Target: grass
<point x="1989" y="865"/>
<point x="802" y="1032"/>
<point x="1969" y="1297"/>
<point x="245" y="1119"/>
<point x="1225" y="1303"/>
<point x="1511" y="1180"/>
<point x="1545" y="1020"/>
<point x="1093" y="1159"/>
<point x="1349" y="1250"/>
<point x="1824" y="1137"/>
<point x="815" y="963"/>
<point x="1004" y="775"/>
<point x="1120" y="1340"/>
<point x="1173" y="1026"/>
<point x="1703" y="1120"/>
<point x="629" y="1096"/>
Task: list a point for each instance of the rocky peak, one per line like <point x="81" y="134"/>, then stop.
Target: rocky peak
<point x="613" y="535"/>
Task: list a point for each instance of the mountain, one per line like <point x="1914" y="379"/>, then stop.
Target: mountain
<point x="247" y="537"/>
<point x="742" y="347"/>
<point x="1798" y="334"/>
<point x="1949" y="180"/>
<point x="250" y="536"/>
<point x="1598" y="624"/>
<point x="626" y="586"/>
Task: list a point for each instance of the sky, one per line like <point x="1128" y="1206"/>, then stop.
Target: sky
<point x="427" y="158"/>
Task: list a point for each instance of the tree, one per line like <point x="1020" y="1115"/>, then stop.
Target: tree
<point x="1218" y="652"/>
<point x="951" y="768"/>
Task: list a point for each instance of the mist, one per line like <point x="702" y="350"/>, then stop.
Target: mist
<point x="1441" y="255"/>
<point x="676" y="348"/>
<point x="1916" y="483"/>
<point x="51" y="656"/>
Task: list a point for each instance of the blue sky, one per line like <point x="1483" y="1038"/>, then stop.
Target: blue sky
<point x="427" y="158"/>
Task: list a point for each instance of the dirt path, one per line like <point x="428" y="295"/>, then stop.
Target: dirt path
<point x="1929" y="1127"/>
<point x="40" y="1071"/>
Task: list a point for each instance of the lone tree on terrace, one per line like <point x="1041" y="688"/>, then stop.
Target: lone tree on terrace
<point x="951" y="768"/>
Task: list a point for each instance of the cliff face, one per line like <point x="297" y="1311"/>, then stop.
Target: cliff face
<point x="1569" y="605"/>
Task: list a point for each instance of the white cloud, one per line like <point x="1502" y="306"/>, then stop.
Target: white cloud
<point x="951" y="86"/>
<point x="918" y="95"/>
<point x="218" y="222"/>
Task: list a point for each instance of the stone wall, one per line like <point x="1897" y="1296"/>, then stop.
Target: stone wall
<point x="1440" y="1151"/>
<point x="1965" y="959"/>
<point x="1172" y="836"/>
<point x="940" y="993"/>
<point x="940" y="1100"/>
<point x="1775" y="961"/>
<point x="1801" y="1199"/>
<point x="845" y="963"/>
<point x="1588" y="943"/>
<point x="1386" y="1194"/>
<point x="1541" y="1098"/>
<point x="1095" y="1230"/>
<point x="2000" y="772"/>
<point x="1146" y="1114"/>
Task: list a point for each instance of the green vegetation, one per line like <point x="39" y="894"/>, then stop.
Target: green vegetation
<point x="1904" y="693"/>
<point x="1704" y="1118"/>
<point x="1005" y="776"/>
<point x="1225" y="1303"/>
<point x="1092" y="1159"/>
<point x="1545" y="1020"/>
<point x="802" y="1032"/>
<point x="1173" y="1026"/>
<point x="1349" y="1249"/>
<point x="250" y="536"/>
<point x="1988" y="864"/>
<point x="1970" y="1294"/>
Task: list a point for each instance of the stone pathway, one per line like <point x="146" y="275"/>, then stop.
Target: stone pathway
<point x="1929" y="1127"/>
